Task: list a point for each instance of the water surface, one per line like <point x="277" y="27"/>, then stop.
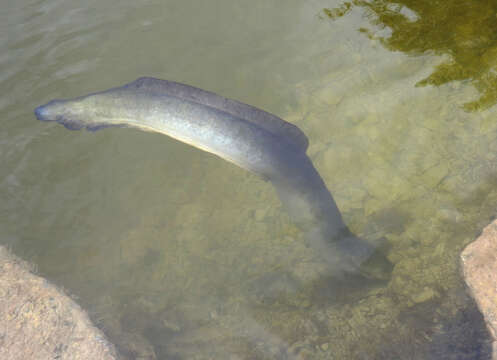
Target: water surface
<point x="177" y="254"/>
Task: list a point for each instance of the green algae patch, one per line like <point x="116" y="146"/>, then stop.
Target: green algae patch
<point x="465" y="31"/>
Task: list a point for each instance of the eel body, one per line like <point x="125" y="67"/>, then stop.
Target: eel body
<point x="244" y="135"/>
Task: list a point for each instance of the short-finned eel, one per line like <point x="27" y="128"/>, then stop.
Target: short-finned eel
<point x="242" y="134"/>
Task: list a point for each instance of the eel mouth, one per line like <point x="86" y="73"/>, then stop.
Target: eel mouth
<point x="48" y="111"/>
<point x="40" y="113"/>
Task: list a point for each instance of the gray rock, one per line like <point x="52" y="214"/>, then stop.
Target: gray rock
<point x="479" y="268"/>
<point x="39" y="321"/>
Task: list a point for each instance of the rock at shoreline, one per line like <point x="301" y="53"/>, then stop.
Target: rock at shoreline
<point x="479" y="267"/>
<point x="39" y="321"/>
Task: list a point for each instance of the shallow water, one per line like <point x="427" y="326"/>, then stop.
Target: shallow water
<point x="177" y="254"/>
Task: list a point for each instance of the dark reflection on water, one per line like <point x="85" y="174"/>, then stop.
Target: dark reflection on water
<point x="464" y="31"/>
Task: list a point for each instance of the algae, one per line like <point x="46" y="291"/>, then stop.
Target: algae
<point x="465" y="31"/>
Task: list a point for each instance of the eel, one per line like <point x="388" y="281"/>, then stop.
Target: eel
<point x="242" y="134"/>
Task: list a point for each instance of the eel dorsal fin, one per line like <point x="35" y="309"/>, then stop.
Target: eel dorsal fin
<point x="263" y="119"/>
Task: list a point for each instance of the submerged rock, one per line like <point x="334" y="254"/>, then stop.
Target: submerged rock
<point x="39" y="321"/>
<point x="479" y="267"/>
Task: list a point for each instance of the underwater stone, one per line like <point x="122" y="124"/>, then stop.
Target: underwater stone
<point x="260" y="214"/>
<point x="329" y="96"/>
<point x="425" y="295"/>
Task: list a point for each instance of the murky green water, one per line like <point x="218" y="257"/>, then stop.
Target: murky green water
<point x="177" y="254"/>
